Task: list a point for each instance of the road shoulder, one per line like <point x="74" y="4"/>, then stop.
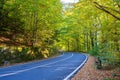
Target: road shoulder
<point x="89" y="72"/>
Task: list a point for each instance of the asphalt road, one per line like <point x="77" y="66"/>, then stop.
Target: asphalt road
<point x="62" y="67"/>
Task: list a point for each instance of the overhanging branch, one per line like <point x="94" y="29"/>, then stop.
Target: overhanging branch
<point x="103" y="8"/>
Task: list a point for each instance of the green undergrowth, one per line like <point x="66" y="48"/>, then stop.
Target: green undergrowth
<point x="109" y="79"/>
<point x="24" y="54"/>
<point x="109" y="59"/>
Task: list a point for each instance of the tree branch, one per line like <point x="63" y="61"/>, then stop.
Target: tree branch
<point x="107" y="11"/>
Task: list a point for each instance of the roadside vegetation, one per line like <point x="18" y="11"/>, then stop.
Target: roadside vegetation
<point x="93" y="26"/>
<point x="42" y="28"/>
<point x="28" y="29"/>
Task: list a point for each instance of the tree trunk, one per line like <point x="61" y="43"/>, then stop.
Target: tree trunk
<point x="87" y="42"/>
<point x="35" y="27"/>
<point x="92" y="38"/>
<point x="77" y="44"/>
<point x="68" y="45"/>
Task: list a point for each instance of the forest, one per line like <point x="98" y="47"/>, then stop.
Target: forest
<point x="37" y="29"/>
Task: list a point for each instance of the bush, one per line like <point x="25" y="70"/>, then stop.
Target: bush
<point x="23" y="54"/>
<point x="108" y="79"/>
<point x="5" y="55"/>
<point x="37" y="52"/>
<point x="109" y="60"/>
<point x="94" y="51"/>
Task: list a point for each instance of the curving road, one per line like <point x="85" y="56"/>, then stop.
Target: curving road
<point x="62" y="67"/>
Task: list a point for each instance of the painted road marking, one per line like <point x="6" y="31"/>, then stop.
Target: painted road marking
<point x="71" y="74"/>
<point x="35" y="61"/>
<point x="19" y="71"/>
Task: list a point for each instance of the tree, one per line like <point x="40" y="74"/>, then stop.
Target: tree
<point x="10" y="25"/>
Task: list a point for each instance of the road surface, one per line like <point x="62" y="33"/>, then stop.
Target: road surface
<point x="62" y="67"/>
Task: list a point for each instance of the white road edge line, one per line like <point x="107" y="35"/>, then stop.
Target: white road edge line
<point x="19" y="71"/>
<point x="71" y="74"/>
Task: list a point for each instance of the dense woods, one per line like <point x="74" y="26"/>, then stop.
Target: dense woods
<point x="28" y="28"/>
<point x="33" y="29"/>
<point x="93" y="26"/>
